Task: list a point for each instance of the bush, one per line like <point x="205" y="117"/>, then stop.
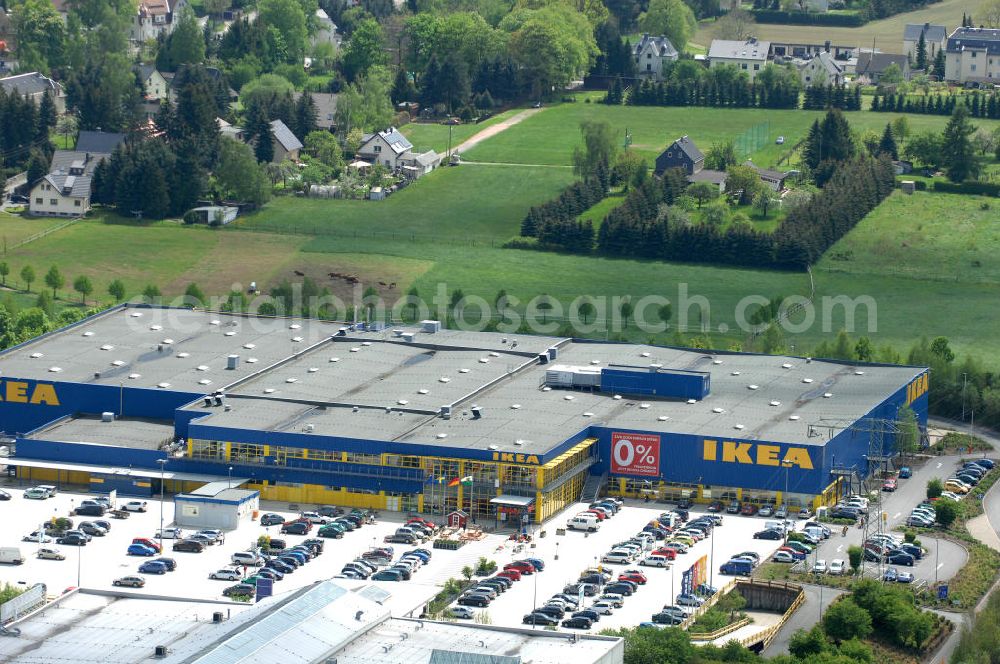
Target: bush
<point x="945" y="512"/>
<point x="962" y="442"/>
<point x="808" y="18"/>
<point x="846" y="620"/>
<point x="934" y="488"/>
<point x="485" y="567"/>
<point x="971" y="188"/>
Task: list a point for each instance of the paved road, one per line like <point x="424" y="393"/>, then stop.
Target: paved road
<point x="805" y="617"/>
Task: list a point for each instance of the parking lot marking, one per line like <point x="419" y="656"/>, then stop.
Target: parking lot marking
<point x="896" y="515"/>
<point x="840" y="548"/>
<point x="940" y="565"/>
<point x="939" y="464"/>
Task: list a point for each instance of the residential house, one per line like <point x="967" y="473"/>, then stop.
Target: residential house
<point x="718" y="178"/>
<point x="286" y="145"/>
<point x="388" y="147"/>
<point x="326" y="108"/>
<point x="806" y="51"/>
<point x="418" y="165"/>
<point x="652" y="55"/>
<point x="226" y="129"/>
<point x="153" y="18"/>
<point x="98" y="142"/>
<point x="682" y="153"/>
<point x="773" y="179"/>
<point x="972" y="55"/>
<point x="34" y="86"/>
<point x="154" y="85"/>
<point x="871" y="66"/>
<point x="935" y="38"/>
<point x="61" y="193"/>
<point x="821" y="69"/>
<point x="326" y="30"/>
<point x="749" y="56"/>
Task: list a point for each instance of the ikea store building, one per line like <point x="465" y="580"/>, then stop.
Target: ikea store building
<point x="429" y="420"/>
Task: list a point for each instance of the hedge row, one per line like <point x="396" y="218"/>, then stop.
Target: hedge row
<point x="975" y="188"/>
<point x="809" y="18"/>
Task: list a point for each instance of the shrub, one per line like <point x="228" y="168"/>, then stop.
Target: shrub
<point x="934" y="488"/>
<point x="973" y="188"/>
<point x="846" y="620"/>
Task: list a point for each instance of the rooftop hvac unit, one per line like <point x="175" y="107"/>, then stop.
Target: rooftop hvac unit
<point x="107" y="416"/>
<point x="97" y="375"/>
<point x="217" y="617"/>
<point x="232" y="362"/>
<point x="208" y="402"/>
<point x="309" y="428"/>
<point x="160" y="652"/>
<point x="408" y="337"/>
<point x="228" y="407"/>
<point x="219" y="399"/>
<point x="446" y="412"/>
<point x="543" y="358"/>
<point x="562" y="375"/>
<point x="477" y="412"/>
<point x="553" y="353"/>
<point x="430" y="326"/>
<point x="397" y="333"/>
<point x="342" y="332"/>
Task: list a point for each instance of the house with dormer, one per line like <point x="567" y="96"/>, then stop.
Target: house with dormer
<point x="653" y="56"/>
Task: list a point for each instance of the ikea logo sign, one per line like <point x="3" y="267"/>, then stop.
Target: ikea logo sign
<point x="917" y="388"/>
<point x="16" y="391"/>
<point x="756" y="454"/>
<point x="507" y="457"/>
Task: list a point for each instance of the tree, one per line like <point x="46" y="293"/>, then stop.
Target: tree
<point x="625" y="310"/>
<point x="288" y="19"/>
<point x="239" y="175"/>
<point x="671" y="18"/>
<point x="845" y="620"/>
<point x="599" y="147"/>
<point x="365" y="105"/>
<point x="151" y="293"/>
<point x="550" y="46"/>
<point x="38" y="167"/>
<point x="54" y="280"/>
<point x="215" y="8"/>
<point x="942" y="350"/>
<point x="28" y="276"/>
<point x="863" y="350"/>
<point x="467" y="572"/>
<point x="945" y="512"/>
<point x="41" y="35"/>
<point x="116" y="289"/>
<point x="587" y="310"/>
<point x="364" y="50"/>
<point x="185" y="45"/>
<point x="665" y="312"/>
<point x="957" y="152"/>
<point x="4" y="271"/>
<point x="908" y="436"/>
<point x="805" y="644"/>
<point x="887" y="144"/>
<point x="630" y="169"/>
<point x="703" y="192"/>
<point x="194" y="296"/>
<point x="738" y="25"/>
<point x="921" y="55"/>
<point x="721" y="155"/>
<point x="84" y="287"/>
<point x="900" y="128"/>
<point x="985" y="141"/>
<point x="925" y="148"/>
<point x="744" y="182"/>
<point x="934" y="488"/>
<point x="939" y="63"/>
<point x="325" y="147"/>
<point x="66" y="126"/>
<point x="854" y="554"/>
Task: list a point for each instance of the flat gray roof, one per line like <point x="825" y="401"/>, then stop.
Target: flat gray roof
<point x="183" y="350"/>
<point x="129" y="432"/>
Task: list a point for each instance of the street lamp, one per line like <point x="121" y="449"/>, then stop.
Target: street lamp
<point x="162" y="462"/>
<point x="230" y="477"/>
<point x="557" y="551"/>
<point x="786" y="464"/>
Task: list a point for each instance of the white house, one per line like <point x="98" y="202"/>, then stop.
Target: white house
<point x="326" y="30"/>
<point x="62" y="193"/>
<point x="286" y="144"/>
<point x="652" y="54"/>
<point x="821" y="69"/>
<point x="154" y="85"/>
<point x="972" y="55"/>
<point x="153" y="18"/>
<point x="935" y="38"/>
<point x="326" y="108"/>
<point x="417" y="165"/>
<point x="34" y="86"/>
<point x="389" y="148"/>
<point x="749" y="56"/>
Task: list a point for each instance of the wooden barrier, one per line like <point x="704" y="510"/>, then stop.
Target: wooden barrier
<point x="712" y="636"/>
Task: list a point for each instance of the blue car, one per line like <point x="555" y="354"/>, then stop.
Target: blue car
<point x="537" y="562"/>
<point x="297" y="555"/>
<point x="141" y="550"/>
<point x="905" y="472"/>
<point x="423" y="555"/>
<point x="153" y="567"/>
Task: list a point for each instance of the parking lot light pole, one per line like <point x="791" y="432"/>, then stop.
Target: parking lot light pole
<point x="784" y="497"/>
<point x="230" y="477"/>
<point x="162" y="462"/>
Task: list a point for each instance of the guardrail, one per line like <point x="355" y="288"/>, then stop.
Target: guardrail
<point x="712" y="636"/>
<point x="765" y="637"/>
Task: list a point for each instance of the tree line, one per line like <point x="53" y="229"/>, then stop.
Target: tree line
<point x="979" y="104"/>
<point x="24" y="130"/>
<point x="780" y="89"/>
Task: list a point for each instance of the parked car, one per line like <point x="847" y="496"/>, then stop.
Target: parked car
<point x="619" y="588"/>
<point x="765" y="510"/>
<point x="152" y="567"/>
<point x="475" y="600"/>
<point x="577" y="622"/>
<point x="92" y="529"/>
<point x="820" y="567"/>
<point x="170" y="533"/>
<point x="589" y="614"/>
<point x="768" y="535"/>
<point x="904" y="577"/>
<point x="46" y="553"/>
<point x="72" y="540"/>
<point x="537" y="618"/>
<point x="389" y="575"/>
<point x="633" y="575"/>
<point x="239" y="589"/>
<point x="35" y="493"/>
<point x="134" y="506"/>
<point x="189" y="545"/>
<point x="296" y="528"/>
<point x="145" y="541"/>
<point x="781" y="512"/>
<point x="836" y="567"/>
<point x="783" y="557"/>
<point x="748" y="509"/>
<point x="225" y="574"/>
<point x="330" y="510"/>
<point x="169" y="562"/>
<point x="734" y="507"/>
<point x="897" y="557"/>
<point x="141" y="550"/>
<point x="780" y="140"/>
<point x="271" y="519"/>
<point x="522" y="567"/>
<point x="130" y="581"/>
<point x="905" y="473"/>
<point x="460" y="612"/>
<point x="37" y="536"/>
<point x="689" y="599"/>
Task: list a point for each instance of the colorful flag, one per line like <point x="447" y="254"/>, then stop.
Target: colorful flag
<point x="466" y="481"/>
<point x="454" y="482"/>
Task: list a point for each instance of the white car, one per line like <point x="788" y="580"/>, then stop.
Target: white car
<point x="780" y="140"/>
<point x="837" y="567"/>
<point x="602" y="606"/>
<point x="951" y="495"/>
<point x="315" y="517"/>
<point x="226" y="575"/>
<point x="820" y="567"/>
<point x="34" y="537"/>
<point x="460" y="612"/>
<point x="170" y="533"/>
<point x="134" y="506"/>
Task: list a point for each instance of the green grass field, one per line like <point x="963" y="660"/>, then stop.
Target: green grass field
<point x="548" y="137"/>
<point x="15" y="228"/>
<point x="887" y="33"/>
<point x="434" y="136"/>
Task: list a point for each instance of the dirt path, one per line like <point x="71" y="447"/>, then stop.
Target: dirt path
<point x="493" y="130"/>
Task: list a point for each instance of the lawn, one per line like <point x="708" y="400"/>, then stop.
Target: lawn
<point x="434" y="135"/>
<point x="886" y="33"/>
<point x="15" y="228"/>
<point x="463" y="203"/>
<point x="600" y="210"/>
<point x="549" y="136"/>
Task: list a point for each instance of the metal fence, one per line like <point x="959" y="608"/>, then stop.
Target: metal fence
<point x="22" y="604"/>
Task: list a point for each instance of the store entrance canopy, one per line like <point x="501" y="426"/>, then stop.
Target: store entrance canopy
<point x="512" y="501"/>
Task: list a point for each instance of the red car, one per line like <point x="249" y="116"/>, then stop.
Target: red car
<point x="152" y="544"/>
<point x="635" y="577"/>
<point x="715" y="506"/>
<point x="889" y="485"/>
<point x="511" y="574"/>
<point x="749" y="509"/>
<point x="601" y="516"/>
<point x="422" y="522"/>
<point x="522" y="567"/>
<point x="669" y="554"/>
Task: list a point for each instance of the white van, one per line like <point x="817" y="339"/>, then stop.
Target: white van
<point x="11" y="555"/>
<point x="247" y="558"/>
<point x="587" y="522"/>
<point x="617" y="556"/>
